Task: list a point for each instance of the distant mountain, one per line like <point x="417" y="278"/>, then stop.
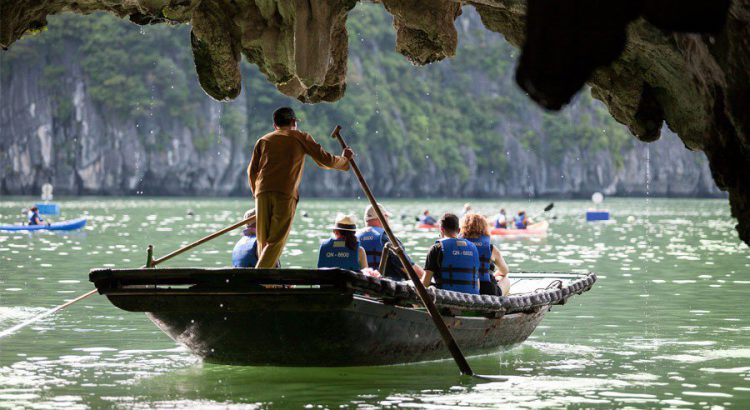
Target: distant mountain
<point x="96" y="105"/>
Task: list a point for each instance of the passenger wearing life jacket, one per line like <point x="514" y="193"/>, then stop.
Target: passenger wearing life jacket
<point x="427" y="219"/>
<point x="493" y="271"/>
<point x="501" y="220"/>
<point x="373" y="239"/>
<point x="452" y="262"/>
<point x="33" y="216"/>
<point x="343" y="250"/>
<point x="520" y="220"/>
<point x="245" y="252"/>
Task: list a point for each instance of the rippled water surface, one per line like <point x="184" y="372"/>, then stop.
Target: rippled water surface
<point x="667" y="324"/>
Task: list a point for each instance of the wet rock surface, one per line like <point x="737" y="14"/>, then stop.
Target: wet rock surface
<point x="681" y="63"/>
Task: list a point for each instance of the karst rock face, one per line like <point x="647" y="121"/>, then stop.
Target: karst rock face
<point x="683" y="62"/>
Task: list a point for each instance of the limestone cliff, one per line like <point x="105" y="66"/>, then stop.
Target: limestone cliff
<point x="684" y="63"/>
<point x="58" y="127"/>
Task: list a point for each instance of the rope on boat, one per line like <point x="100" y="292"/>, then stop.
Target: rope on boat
<point x="403" y="293"/>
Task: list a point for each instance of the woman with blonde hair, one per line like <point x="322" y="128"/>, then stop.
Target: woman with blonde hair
<point x="476" y="229"/>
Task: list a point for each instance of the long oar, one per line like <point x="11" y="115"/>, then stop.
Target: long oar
<point x="445" y="333"/>
<point x="150" y="264"/>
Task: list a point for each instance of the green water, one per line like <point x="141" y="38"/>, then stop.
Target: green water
<point x="667" y="324"/>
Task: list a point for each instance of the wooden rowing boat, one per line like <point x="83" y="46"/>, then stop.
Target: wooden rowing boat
<point x="325" y="317"/>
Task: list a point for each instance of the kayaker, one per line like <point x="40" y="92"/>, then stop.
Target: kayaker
<point x="427" y="219"/>
<point x="520" y="220"/>
<point x="501" y="220"/>
<point x="343" y="249"/>
<point x="274" y="175"/>
<point x="453" y="262"/>
<point x="245" y="252"/>
<point x="373" y="239"/>
<point x="467" y="209"/>
<point x="493" y="271"/>
<point x="33" y="216"/>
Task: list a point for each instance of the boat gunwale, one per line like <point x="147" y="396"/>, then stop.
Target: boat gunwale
<point x="245" y="280"/>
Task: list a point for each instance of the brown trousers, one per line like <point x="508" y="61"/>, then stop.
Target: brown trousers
<point x="274" y="215"/>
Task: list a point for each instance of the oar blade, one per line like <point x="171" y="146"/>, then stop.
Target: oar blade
<point x="490" y="378"/>
<point x="548" y="207"/>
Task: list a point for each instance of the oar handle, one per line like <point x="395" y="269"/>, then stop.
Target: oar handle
<point x="200" y="241"/>
<point x="445" y="333"/>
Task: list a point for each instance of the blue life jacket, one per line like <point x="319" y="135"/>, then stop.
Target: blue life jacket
<point x="518" y="219"/>
<point x="371" y="238"/>
<point x="245" y="252"/>
<point x="335" y="254"/>
<point x="458" y="269"/>
<point x="484" y="247"/>
<point x="501" y="225"/>
<point x="427" y="220"/>
<point x="32" y="216"/>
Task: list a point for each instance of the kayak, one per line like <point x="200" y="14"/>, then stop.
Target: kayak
<point x="537" y="229"/>
<point x="330" y="317"/>
<point x="70" y="225"/>
<point x="427" y="226"/>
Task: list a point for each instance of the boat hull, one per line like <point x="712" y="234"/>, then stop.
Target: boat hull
<point x="70" y="225"/>
<point x="427" y="227"/>
<point x="363" y="333"/>
<point x="537" y="229"/>
<point x="325" y="317"/>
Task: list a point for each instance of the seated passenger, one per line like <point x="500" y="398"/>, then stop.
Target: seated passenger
<point x="343" y="250"/>
<point x="474" y="227"/>
<point x="427" y="219"/>
<point x="453" y="262"/>
<point x="245" y="252"/>
<point x="373" y="239"/>
<point x="501" y="220"/>
<point x="520" y="220"/>
<point x="33" y="215"/>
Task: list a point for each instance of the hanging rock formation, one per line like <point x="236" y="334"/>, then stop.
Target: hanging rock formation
<point x="680" y="62"/>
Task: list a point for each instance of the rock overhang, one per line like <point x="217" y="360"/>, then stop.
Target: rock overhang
<point x="683" y="63"/>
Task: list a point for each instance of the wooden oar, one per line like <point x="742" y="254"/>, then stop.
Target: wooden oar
<point x="150" y="264"/>
<point x="201" y="241"/>
<point x="445" y="333"/>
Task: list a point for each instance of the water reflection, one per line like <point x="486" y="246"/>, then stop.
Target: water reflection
<point x="666" y="325"/>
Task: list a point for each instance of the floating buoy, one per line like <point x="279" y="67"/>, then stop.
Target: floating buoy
<point x="597" y="214"/>
<point x="47" y="208"/>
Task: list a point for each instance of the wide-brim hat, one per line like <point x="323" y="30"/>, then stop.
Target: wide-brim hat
<point x="371" y="214"/>
<point x="344" y="223"/>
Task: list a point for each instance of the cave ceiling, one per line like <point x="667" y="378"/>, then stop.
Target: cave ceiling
<point x="685" y="63"/>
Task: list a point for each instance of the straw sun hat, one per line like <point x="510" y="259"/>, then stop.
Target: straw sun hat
<point x="344" y="223"/>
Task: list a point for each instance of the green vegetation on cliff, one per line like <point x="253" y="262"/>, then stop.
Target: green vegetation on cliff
<point x="457" y="116"/>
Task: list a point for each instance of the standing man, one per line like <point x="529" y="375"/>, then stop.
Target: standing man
<point x="274" y="174"/>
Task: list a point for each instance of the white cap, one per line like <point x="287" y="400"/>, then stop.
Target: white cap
<point x="249" y="214"/>
<point x="370" y="213"/>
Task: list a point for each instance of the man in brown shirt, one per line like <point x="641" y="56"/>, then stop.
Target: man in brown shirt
<point x="274" y="175"/>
